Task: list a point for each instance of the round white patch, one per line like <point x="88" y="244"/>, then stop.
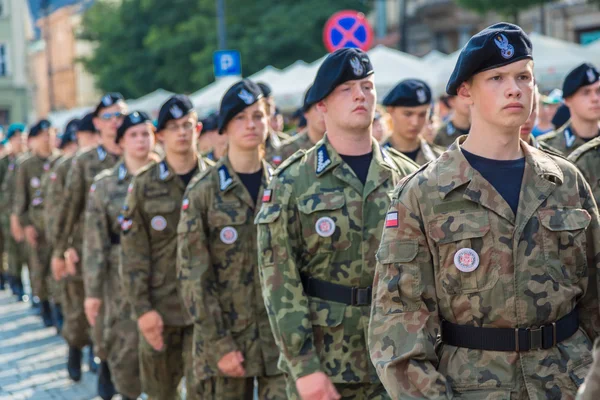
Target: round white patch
<point x="325" y="226"/>
<point x="35" y="182"/>
<point x="158" y="223"/>
<point x="228" y="235"/>
<point x="466" y="260"/>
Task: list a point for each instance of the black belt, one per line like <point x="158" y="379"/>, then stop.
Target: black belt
<point x="352" y="296"/>
<point x="508" y="339"/>
<point x="115" y="238"/>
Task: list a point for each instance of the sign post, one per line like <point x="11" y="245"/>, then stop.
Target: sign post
<point x="347" y="28"/>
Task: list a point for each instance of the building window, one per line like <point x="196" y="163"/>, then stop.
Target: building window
<point x="4" y="116"/>
<point x="3" y="59"/>
<point x="3" y="8"/>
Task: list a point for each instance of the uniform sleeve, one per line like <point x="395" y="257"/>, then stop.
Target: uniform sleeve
<point x="6" y="192"/>
<point x="135" y="252"/>
<point x="71" y="208"/>
<point x="197" y="278"/>
<point x="21" y="201"/>
<point x="589" y="305"/>
<point x="404" y="320"/>
<point x="96" y="243"/>
<point x="279" y="250"/>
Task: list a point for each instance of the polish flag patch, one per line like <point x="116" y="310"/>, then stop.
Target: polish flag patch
<point x="391" y="221"/>
<point x="186" y="204"/>
<point x="266" y="196"/>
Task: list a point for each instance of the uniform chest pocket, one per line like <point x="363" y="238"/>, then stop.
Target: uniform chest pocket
<point x="564" y="242"/>
<point x="325" y="222"/>
<point x="467" y="259"/>
<point x="229" y="227"/>
<point x="162" y="217"/>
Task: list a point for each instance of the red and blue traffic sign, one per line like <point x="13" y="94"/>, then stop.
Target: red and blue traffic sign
<point x="347" y="28"/>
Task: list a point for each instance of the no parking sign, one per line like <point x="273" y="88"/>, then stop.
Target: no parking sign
<point x="347" y="28"/>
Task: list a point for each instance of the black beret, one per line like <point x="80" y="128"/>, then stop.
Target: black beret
<point x="302" y="121"/>
<point x="343" y="65"/>
<point x="132" y="119"/>
<point x="305" y="104"/>
<point x="265" y="89"/>
<point x="210" y="123"/>
<point x="39" y="127"/>
<point x="178" y="106"/>
<point x="562" y="115"/>
<point x="86" y="124"/>
<point x="584" y="75"/>
<point x="109" y="99"/>
<point x="70" y="133"/>
<point x="495" y="46"/>
<point x="408" y="93"/>
<point x="241" y="95"/>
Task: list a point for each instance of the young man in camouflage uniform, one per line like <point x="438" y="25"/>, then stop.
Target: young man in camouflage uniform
<point x="15" y="251"/>
<point x="458" y="125"/>
<point x="409" y="106"/>
<point x="101" y="252"/>
<point x="275" y="139"/>
<point x="217" y="260"/>
<point x="29" y="208"/>
<point x="315" y="129"/>
<point x="581" y="91"/>
<point x="486" y="285"/>
<point x="149" y="252"/>
<point x="66" y="264"/>
<point x="318" y="232"/>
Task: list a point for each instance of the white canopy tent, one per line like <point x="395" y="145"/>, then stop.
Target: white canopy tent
<point x="208" y="99"/>
<point x="433" y="57"/>
<point x="268" y="75"/>
<point x="60" y="119"/>
<point x="593" y="51"/>
<point x="150" y="103"/>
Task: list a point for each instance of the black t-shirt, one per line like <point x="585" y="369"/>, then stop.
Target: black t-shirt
<point x="359" y="164"/>
<point x="412" y="154"/>
<point x="252" y="183"/>
<point x="186" y="178"/>
<point x="505" y="176"/>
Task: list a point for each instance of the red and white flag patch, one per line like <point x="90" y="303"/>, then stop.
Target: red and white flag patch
<point x="266" y="196"/>
<point x="391" y="221"/>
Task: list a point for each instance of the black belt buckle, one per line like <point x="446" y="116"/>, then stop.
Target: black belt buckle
<point x="360" y="296"/>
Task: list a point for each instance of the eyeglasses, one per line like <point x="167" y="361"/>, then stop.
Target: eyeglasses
<point x="176" y="128"/>
<point x="108" y="116"/>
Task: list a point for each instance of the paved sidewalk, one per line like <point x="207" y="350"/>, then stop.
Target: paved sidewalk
<point x="33" y="358"/>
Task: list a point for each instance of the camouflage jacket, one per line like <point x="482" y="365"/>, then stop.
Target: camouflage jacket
<point x="299" y="142"/>
<point x="101" y="243"/>
<point x="218" y="270"/>
<point x="7" y="173"/>
<point x="54" y="186"/>
<point x="532" y="269"/>
<point x="446" y="135"/>
<point x="321" y="221"/>
<point x="29" y="197"/>
<point x="272" y="146"/>
<point x="564" y="139"/>
<point x="70" y="220"/>
<point x="587" y="159"/>
<point x="149" y="242"/>
<point x="427" y="153"/>
<point x="533" y="141"/>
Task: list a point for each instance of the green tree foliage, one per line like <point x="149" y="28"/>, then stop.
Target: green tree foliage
<point x="141" y="45"/>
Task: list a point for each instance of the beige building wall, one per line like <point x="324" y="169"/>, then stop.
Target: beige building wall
<point x="72" y="85"/>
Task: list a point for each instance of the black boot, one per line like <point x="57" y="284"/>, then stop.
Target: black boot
<point x="123" y="397"/>
<point x="46" y="313"/>
<point x="19" y="291"/>
<point x="35" y="304"/>
<point x="2" y="278"/>
<point x="74" y="364"/>
<point x="92" y="361"/>
<point x="57" y="316"/>
<point x="106" y="389"/>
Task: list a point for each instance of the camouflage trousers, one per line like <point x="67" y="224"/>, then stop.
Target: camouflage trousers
<point x="161" y="371"/>
<point x="75" y="328"/>
<point x="347" y="391"/>
<point x="225" y="388"/>
<point x="98" y="335"/>
<point x="122" y="348"/>
<point x="39" y="269"/>
<point x="16" y="252"/>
